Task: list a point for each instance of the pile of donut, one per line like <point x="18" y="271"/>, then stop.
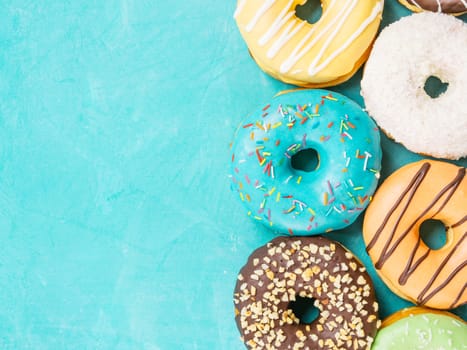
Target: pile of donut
<point x="302" y="201"/>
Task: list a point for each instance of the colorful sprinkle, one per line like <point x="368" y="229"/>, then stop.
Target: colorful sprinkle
<point x="298" y="115"/>
<point x="300" y="204"/>
<point x="329" y="97"/>
<point x="330" y="188"/>
<point x="325" y="198"/>
<point x="367" y="156"/>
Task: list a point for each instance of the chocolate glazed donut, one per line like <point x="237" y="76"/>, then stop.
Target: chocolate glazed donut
<point x="446" y="6"/>
<point x="307" y="267"/>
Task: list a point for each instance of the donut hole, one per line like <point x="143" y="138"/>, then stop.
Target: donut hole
<point x="435" y="87"/>
<point x="311" y="11"/>
<point x="433" y="234"/>
<point x="304" y="309"/>
<point x="305" y="160"/>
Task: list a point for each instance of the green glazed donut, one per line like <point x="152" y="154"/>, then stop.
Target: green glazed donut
<point x="421" y="328"/>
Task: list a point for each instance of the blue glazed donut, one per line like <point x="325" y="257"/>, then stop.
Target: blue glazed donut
<point x="282" y="195"/>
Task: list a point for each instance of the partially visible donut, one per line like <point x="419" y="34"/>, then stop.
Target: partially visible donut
<point x="404" y="56"/>
<point x="294" y="201"/>
<point x="415" y="193"/>
<point x="421" y="328"/>
<point x="455" y="7"/>
<point x="308" y="267"/>
<point x="325" y="53"/>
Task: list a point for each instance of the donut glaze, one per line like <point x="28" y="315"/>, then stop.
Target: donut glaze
<point x="413" y="194"/>
<point x="421" y="328"/>
<point x="308" y="267"/>
<point x="325" y="53"/>
<point x="402" y="60"/>
<point x="294" y="201"/>
<point x="455" y="7"/>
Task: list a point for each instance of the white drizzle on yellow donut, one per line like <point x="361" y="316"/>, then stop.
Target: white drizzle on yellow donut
<point x="315" y="69"/>
<point x="239" y="8"/>
<point x="262" y="10"/>
<point x="286" y="45"/>
<point x="277" y="25"/>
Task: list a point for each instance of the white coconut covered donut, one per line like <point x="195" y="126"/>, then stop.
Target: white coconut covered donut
<point x="405" y="55"/>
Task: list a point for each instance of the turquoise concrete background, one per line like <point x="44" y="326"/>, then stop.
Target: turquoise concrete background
<point x="118" y="229"/>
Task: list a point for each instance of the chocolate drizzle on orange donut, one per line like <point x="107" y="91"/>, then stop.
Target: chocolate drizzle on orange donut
<point x="456" y="300"/>
<point x="422" y="299"/>
<point x="390" y="247"/>
<point x="460" y="222"/>
<point x="413" y="186"/>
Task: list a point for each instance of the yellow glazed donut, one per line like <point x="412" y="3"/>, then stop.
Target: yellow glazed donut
<point x="415" y="193"/>
<point x="325" y="53"/>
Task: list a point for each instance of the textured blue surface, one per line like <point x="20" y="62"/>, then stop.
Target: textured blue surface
<point x="117" y="226"/>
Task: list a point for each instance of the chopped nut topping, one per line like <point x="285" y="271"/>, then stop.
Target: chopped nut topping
<point x="307" y="267"/>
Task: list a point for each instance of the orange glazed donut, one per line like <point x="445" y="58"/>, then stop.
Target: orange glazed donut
<point x="321" y="54"/>
<point x="413" y="194"/>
